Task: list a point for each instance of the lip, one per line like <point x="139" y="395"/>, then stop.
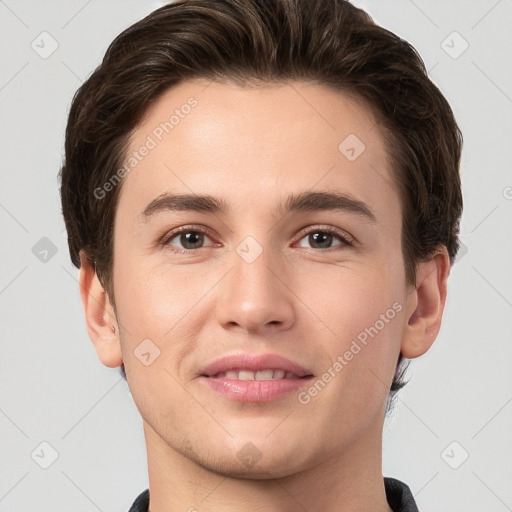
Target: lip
<point x="253" y="363"/>
<point x="255" y="390"/>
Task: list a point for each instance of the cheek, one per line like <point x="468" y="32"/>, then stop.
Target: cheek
<point x="359" y="345"/>
<point x="158" y="309"/>
<point x="168" y="305"/>
<point x="346" y="301"/>
<point x="154" y="300"/>
<point x="361" y="318"/>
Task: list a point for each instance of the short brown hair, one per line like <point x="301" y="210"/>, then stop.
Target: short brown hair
<point x="264" y="41"/>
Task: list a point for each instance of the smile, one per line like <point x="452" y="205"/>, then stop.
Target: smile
<point x="259" y="375"/>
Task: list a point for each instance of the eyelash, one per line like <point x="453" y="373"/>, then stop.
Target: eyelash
<point x="346" y="240"/>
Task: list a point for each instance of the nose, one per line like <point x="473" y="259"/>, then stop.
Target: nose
<point x="255" y="296"/>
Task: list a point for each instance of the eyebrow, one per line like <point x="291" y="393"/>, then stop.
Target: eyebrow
<point x="303" y="202"/>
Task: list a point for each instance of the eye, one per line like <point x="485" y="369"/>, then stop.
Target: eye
<point x="186" y="239"/>
<point x="323" y="238"/>
<point x="190" y="238"/>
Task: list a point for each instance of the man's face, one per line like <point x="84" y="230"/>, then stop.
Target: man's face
<point x="311" y="285"/>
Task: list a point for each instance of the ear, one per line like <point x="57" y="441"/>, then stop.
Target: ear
<point x="425" y="305"/>
<point x="99" y="316"/>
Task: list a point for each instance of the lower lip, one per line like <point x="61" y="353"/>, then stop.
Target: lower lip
<point x="255" y="390"/>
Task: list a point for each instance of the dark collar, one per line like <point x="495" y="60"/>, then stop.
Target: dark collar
<point x="398" y="494"/>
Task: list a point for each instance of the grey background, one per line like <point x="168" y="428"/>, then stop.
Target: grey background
<point x="54" y="390"/>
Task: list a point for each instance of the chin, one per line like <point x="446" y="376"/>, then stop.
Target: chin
<point x="260" y="470"/>
<point x="256" y="459"/>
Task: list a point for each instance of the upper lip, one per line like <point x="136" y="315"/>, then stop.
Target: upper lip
<point x="253" y="363"/>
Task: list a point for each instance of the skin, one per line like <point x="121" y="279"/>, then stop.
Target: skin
<point x="252" y="147"/>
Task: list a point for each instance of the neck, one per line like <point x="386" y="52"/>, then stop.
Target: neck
<point x="342" y="481"/>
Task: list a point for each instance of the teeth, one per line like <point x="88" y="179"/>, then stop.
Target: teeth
<point x="259" y="375"/>
<point x="279" y="374"/>
<point x="263" y="375"/>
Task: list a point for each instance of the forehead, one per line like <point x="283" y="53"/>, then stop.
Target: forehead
<point x="248" y="143"/>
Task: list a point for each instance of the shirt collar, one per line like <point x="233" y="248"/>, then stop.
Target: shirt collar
<point x="398" y="494"/>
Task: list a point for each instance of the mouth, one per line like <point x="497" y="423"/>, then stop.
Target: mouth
<point x="261" y="375"/>
<point x="255" y="378"/>
<point x="255" y="367"/>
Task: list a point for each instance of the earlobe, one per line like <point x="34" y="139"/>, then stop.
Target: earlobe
<point x="425" y="305"/>
<point x="99" y="316"/>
